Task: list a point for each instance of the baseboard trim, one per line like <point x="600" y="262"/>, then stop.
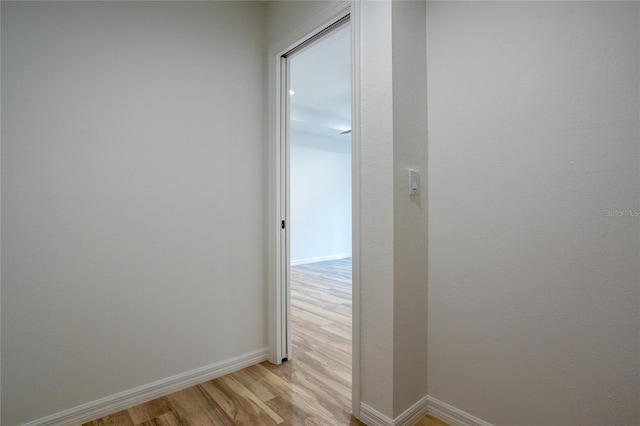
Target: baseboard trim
<point x="320" y="259"/>
<point x="412" y="414"/>
<point x="120" y="401"/>
<point x="451" y="414"/>
<point x="372" y="417"/>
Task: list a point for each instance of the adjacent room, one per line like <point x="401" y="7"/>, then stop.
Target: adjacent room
<point x="320" y="210"/>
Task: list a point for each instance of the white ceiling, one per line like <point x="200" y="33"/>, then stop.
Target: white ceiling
<point x="321" y="78"/>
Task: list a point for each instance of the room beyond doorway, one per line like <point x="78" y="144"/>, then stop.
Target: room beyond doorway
<point x="319" y="192"/>
<point x="319" y="161"/>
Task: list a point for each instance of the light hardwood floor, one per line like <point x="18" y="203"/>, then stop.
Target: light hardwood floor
<point x="312" y="388"/>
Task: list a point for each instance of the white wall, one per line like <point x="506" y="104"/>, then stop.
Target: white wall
<point x="409" y="212"/>
<point x="376" y="215"/>
<point x="132" y="195"/>
<point x="533" y="138"/>
<point x="286" y="18"/>
<point x="320" y="197"/>
<point x="393" y="224"/>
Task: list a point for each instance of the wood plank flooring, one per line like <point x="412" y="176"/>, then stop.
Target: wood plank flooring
<point x="312" y="388"/>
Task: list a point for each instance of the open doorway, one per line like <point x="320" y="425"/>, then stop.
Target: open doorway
<point x="319" y="196"/>
<point x="279" y="270"/>
<point x="318" y="200"/>
<point x="320" y="150"/>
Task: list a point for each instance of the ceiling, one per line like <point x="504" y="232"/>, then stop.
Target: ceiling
<point x="321" y="79"/>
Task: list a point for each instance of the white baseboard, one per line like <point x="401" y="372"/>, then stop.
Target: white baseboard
<point x="452" y="415"/>
<point x="412" y="414"/>
<point x="427" y="405"/>
<point x="320" y="259"/>
<point x="120" y="401"/>
<point x="372" y="417"/>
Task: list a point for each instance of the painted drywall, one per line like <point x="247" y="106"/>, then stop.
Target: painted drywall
<point x="320" y="192"/>
<point x="286" y="19"/>
<point x="409" y="212"/>
<point x="132" y="195"/>
<point x="533" y="114"/>
<point x="376" y="216"/>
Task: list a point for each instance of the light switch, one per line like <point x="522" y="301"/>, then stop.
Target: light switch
<point x="414" y="182"/>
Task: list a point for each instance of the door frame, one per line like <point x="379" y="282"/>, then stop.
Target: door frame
<point x="278" y="238"/>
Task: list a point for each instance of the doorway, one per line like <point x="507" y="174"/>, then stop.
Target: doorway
<point x="317" y="199"/>
<point x="318" y="196"/>
<point x="279" y="258"/>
